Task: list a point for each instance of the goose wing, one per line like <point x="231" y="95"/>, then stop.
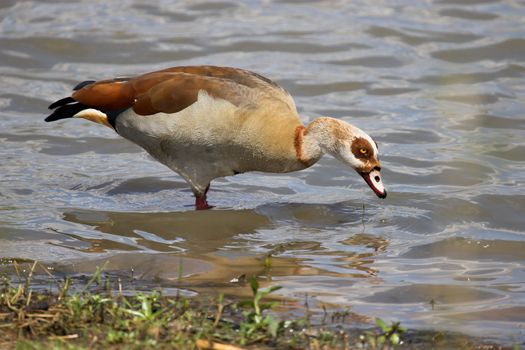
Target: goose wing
<point x="174" y="89"/>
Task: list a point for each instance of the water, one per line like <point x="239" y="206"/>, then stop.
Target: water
<point x="439" y="84"/>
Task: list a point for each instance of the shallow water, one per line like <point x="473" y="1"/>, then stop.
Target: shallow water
<point x="439" y="84"/>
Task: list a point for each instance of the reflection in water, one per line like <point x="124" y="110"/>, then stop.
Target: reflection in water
<point x="218" y="236"/>
<point x="437" y="84"/>
<point x="213" y="244"/>
<point x="201" y="232"/>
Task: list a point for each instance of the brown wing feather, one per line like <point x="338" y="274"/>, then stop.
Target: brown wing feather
<point x="242" y="77"/>
<point x="106" y="95"/>
<point x="173" y="89"/>
<point x="181" y="90"/>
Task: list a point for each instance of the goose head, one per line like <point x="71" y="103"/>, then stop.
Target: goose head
<point x="352" y="146"/>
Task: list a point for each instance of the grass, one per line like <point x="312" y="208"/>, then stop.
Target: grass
<point x="96" y="314"/>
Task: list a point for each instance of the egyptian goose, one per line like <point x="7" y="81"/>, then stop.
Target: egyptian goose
<point x="205" y="122"/>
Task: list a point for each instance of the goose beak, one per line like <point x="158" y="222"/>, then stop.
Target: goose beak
<point x="373" y="179"/>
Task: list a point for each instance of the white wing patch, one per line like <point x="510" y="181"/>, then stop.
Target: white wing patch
<point x="94" y="115"/>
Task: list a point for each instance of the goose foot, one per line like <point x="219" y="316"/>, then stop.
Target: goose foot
<point x="200" y="201"/>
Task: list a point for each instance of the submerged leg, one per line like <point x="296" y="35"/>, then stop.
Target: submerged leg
<point x="200" y="200"/>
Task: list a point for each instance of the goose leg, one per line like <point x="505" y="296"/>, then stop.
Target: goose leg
<point x="200" y="200"/>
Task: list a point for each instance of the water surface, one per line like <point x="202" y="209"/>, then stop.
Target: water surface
<point x="439" y="84"/>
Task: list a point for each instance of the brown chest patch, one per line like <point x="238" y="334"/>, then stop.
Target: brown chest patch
<point x="298" y="145"/>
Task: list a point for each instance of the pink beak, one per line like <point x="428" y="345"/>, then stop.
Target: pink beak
<point x="373" y="179"/>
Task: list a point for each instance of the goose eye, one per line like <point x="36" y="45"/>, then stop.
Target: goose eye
<point x="363" y="150"/>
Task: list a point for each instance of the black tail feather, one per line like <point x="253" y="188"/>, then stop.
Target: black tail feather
<point x="61" y="102"/>
<point x="65" y="110"/>
<point x="68" y="107"/>
<point x="82" y="84"/>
